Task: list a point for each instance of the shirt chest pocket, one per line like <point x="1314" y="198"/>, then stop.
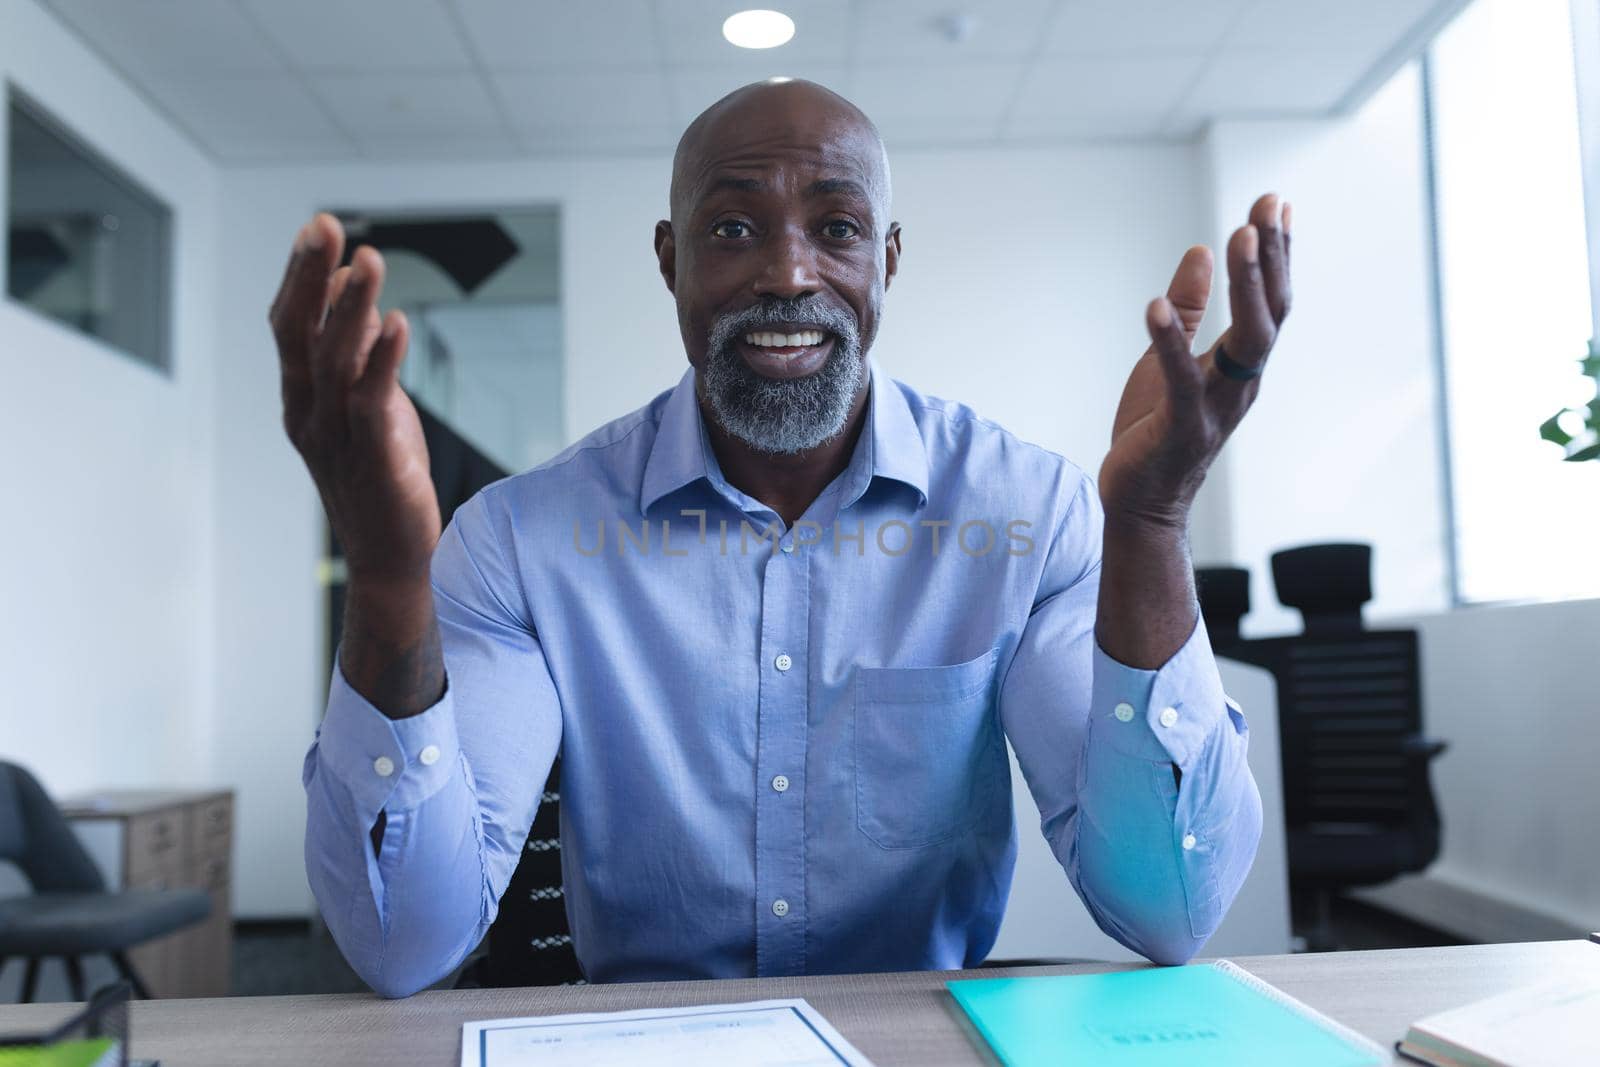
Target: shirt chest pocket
<point x="928" y="753"/>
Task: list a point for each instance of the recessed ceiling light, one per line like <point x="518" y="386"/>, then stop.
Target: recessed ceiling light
<point x="758" y="28"/>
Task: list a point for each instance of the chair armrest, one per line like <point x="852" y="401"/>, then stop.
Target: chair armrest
<point x="1422" y="748"/>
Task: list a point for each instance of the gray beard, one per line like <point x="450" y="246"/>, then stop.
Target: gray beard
<point x="782" y="416"/>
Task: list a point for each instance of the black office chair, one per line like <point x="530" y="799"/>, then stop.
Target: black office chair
<point x="70" y="913"/>
<point x="530" y="943"/>
<point x="1359" y="807"/>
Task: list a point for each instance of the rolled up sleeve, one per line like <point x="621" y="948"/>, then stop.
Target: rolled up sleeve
<point x="457" y="785"/>
<point x="1139" y="775"/>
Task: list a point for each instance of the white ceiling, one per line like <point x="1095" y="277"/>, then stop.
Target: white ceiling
<point x="352" y="79"/>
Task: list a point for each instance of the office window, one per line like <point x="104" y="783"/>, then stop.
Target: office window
<point x="1514" y="299"/>
<point x="85" y="244"/>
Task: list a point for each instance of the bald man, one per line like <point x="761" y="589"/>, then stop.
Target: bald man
<point x="780" y="622"/>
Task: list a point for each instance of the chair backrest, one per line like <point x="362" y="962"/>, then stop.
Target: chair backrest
<point x="1349" y="705"/>
<point x="37" y="838"/>
<point x="530" y="942"/>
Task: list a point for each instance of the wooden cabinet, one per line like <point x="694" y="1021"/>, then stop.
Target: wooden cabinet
<point x="169" y="839"/>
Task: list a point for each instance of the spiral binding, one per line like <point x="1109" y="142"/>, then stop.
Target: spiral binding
<point x="1305" y="1011"/>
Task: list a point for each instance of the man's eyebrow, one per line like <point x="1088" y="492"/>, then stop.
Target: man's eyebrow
<point x="827" y="186"/>
<point x="738" y="185"/>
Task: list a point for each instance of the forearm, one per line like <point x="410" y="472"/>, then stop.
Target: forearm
<point x="390" y="651"/>
<point x="1147" y="606"/>
<point x="404" y="913"/>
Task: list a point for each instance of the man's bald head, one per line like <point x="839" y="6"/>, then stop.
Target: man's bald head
<point x="774" y="112"/>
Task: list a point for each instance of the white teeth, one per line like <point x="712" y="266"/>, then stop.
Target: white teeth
<point x="766" y="339"/>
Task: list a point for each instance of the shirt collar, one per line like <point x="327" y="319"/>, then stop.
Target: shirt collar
<point x="682" y="451"/>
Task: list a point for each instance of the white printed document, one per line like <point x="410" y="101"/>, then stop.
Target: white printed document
<point x="762" y="1033"/>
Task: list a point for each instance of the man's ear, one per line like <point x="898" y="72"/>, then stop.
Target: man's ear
<point x="667" y="255"/>
<point x="891" y="257"/>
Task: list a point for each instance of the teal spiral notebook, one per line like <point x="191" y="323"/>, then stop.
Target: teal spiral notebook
<point x="1215" y="1013"/>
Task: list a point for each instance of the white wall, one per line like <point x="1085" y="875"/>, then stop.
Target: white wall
<point x="1032" y="313"/>
<point x="105" y="548"/>
<point x="1343" y="443"/>
<point x="1513" y="689"/>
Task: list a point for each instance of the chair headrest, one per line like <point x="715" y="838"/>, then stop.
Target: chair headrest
<point x="1224" y="599"/>
<point x="1326" y="583"/>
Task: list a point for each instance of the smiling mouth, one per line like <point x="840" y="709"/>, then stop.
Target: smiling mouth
<point x="780" y="344"/>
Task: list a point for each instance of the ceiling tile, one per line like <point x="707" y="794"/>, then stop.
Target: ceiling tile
<point x="434" y="105"/>
<point x="343" y="35"/>
<point x="575" y="98"/>
<point x="592" y="140"/>
<point x="172" y="36"/>
<point x="1140" y="27"/>
<point x="437" y="147"/>
<point x="250" y="116"/>
<point x="691" y="32"/>
<point x="1102" y="96"/>
<point x="899" y="134"/>
<point x="696" y="88"/>
<point x="962" y="92"/>
<point x="524" y="34"/>
<point x="1270" y="83"/>
<point x="1377" y="25"/>
<point x="898" y="30"/>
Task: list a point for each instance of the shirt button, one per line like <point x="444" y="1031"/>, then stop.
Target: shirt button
<point x="1169" y="716"/>
<point x="780" y="783"/>
<point x="1188" y="842"/>
<point x="384" y="766"/>
<point x="788" y="546"/>
<point x="429" y="756"/>
<point x="780" y="907"/>
<point x="783" y="662"/>
<point x="1124" y="712"/>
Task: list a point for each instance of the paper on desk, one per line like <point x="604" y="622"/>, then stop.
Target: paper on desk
<point x="762" y="1033"/>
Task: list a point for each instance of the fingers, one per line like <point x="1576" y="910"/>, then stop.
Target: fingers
<point x="1269" y="216"/>
<point x="383" y="364"/>
<point x="297" y="310"/>
<point x="1191" y="289"/>
<point x="1170" y="339"/>
<point x="1250" y="337"/>
<point x="353" y="325"/>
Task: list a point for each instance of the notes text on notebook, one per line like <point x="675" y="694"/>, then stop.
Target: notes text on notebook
<point x="1204" y="1014"/>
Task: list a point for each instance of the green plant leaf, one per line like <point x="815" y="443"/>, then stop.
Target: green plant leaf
<point x="1591" y="362"/>
<point x="1591" y="452"/>
<point x="1551" y="430"/>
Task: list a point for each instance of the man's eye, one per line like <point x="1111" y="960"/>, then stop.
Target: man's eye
<point x="731" y="230"/>
<point x="840" y="230"/>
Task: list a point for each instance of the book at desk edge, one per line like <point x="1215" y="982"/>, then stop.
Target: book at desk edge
<point x="1215" y="1013"/>
<point x="1552" y="1023"/>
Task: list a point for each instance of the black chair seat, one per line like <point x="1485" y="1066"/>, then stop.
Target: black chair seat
<point x="71" y="923"/>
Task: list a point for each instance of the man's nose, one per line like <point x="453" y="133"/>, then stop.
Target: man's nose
<point x="789" y="269"/>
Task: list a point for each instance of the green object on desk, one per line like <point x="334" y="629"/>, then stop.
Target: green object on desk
<point x="1203" y="1014"/>
<point x="89" y="1053"/>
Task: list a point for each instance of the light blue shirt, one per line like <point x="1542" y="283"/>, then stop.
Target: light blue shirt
<point x="783" y="748"/>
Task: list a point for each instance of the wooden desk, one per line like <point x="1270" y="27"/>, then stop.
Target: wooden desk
<point x="893" y="1018"/>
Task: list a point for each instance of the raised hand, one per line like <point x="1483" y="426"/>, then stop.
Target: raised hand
<point x="344" y="410"/>
<point x="1176" y="413"/>
<point x="360" y="436"/>
<point x="1176" y="410"/>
